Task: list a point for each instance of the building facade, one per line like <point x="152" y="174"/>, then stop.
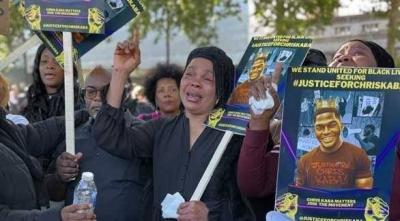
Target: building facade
<point x="365" y="26"/>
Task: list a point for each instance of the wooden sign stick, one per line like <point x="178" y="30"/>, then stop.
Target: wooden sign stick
<point x="205" y="179"/>
<point x="69" y="93"/>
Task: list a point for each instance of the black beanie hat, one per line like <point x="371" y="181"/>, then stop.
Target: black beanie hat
<point x="224" y="70"/>
<point x="382" y="57"/>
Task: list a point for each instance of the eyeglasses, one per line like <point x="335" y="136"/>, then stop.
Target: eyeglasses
<point x="91" y="92"/>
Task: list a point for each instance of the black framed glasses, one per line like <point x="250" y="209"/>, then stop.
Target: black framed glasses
<point x="92" y="92"/>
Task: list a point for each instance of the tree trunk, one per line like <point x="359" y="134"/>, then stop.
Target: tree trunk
<point x="394" y="23"/>
<point x="27" y="76"/>
<point x="167" y="42"/>
<point x="280" y="23"/>
<point x="168" y="37"/>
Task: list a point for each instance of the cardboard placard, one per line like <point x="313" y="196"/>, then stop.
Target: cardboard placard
<point x="85" y="16"/>
<point x="338" y="139"/>
<point x="117" y="14"/>
<point x="261" y="57"/>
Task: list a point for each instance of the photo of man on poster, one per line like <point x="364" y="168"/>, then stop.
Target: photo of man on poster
<point x="334" y="164"/>
<point x="240" y="93"/>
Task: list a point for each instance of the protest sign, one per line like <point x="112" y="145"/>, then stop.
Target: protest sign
<point x="117" y="13"/>
<point x="264" y="52"/>
<point x="262" y="56"/>
<point x="83" y="16"/>
<point x="67" y="46"/>
<point x="340" y="127"/>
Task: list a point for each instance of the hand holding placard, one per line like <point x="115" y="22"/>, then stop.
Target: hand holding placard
<point x="264" y="90"/>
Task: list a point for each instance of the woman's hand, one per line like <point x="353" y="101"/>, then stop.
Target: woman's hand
<point x="126" y="59"/>
<point x="127" y="56"/>
<point x="257" y="90"/>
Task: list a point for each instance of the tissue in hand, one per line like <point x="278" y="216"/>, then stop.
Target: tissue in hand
<point x="170" y="205"/>
<point x="258" y="107"/>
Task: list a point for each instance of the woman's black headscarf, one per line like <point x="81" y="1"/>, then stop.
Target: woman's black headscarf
<point x="382" y="57"/>
<point x="224" y="70"/>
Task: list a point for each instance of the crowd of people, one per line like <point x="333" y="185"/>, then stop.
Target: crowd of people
<point x="140" y="154"/>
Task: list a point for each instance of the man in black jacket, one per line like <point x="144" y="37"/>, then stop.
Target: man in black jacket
<point x="120" y="183"/>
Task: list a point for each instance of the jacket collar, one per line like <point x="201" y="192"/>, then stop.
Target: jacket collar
<point x="3" y="113"/>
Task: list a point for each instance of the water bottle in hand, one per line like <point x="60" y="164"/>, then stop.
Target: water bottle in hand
<point x="86" y="191"/>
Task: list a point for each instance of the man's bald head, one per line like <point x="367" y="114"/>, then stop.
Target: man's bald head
<point x="99" y="76"/>
<point x="95" y="85"/>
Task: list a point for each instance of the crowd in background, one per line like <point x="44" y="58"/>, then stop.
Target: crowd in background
<point x="18" y="98"/>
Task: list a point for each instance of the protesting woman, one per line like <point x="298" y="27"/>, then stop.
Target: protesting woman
<point x="180" y="148"/>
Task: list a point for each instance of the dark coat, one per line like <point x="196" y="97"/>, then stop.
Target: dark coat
<point x="136" y="108"/>
<point x="18" y="200"/>
<point x="20" y="173"/>
<point x="118" y="180"/>
<point x="176" y="167"/>
<point x="42" y="106"/>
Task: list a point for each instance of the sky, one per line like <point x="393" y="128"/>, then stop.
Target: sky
<point x="351" y="7"/>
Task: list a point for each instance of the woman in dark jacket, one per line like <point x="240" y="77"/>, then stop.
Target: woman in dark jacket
<point x="21" y="175"/>
<point x="46" y="94"/>
<point x="46" y="97"/>
<point x="180" y="148"/>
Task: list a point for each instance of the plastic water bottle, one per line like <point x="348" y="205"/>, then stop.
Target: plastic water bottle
<point x="86" y="191"/>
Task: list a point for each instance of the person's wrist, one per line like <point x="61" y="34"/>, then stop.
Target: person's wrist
<point x="259" y="124"/>
<point x="58" y="178"/>
<point x="120" y="72"/>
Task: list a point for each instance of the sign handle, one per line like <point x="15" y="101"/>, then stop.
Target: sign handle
<point x="205" y="179"/>
<point x="69" y="93"/>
